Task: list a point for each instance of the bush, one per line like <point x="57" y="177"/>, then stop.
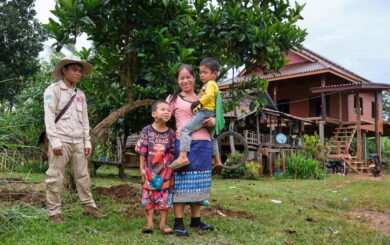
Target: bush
<point x="233" y="173"/>
<point x="302" y="166"/>
<point x="252" y="170"/>
<point x="312" y="145"/>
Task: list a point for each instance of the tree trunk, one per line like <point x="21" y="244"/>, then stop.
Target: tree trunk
<point x="101" y="128"/>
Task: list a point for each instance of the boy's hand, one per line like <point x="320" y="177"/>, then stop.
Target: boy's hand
<point x="143" y="175"/>
<point x="194" y="105"/>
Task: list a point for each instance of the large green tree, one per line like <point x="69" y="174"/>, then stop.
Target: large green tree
<point x="21" y="40"/>
<point x="138" y="44"/>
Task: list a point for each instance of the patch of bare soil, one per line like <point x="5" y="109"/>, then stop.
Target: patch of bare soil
<point x="121" y="193"/>
<point x="377" y="220"/>
<point x="26" y="196"/>
<point x="367" y="176"/>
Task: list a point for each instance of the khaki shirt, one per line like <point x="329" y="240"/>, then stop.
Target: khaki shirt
<point x="73" y="127"/>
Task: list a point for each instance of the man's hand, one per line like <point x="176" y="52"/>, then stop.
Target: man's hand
<point x="209" y="122"/>
<point x="88" y="152"/>
<point x="57" y="151"/>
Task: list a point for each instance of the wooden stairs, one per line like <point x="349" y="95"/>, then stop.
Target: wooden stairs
<point x="339" y="145"/>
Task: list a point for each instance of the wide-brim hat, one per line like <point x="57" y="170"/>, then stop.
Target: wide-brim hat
<point x="87" y="67"/>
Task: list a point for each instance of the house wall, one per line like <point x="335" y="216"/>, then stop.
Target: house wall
<point x="368" y="98"/>
<point x="298" y="89"/>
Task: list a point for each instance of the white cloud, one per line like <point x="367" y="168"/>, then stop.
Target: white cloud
<point x="351" y="33"/>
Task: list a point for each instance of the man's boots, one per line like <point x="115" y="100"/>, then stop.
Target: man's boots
<point x="56" y="219"/>
<point x="91" y="211"/>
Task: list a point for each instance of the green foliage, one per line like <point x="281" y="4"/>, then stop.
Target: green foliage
<point x="104" y="149"/>
<point x="300" y="165"/>
<point x="233" y="173"/>
<point x="252" y="170"/>
<point x="21" y="40"/>
<point x="138" y="45"/>
<point x="312" y="145"/>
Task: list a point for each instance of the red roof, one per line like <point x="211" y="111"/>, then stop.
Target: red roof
<point x="310" y="63"/>
<point x="352" y="86"/>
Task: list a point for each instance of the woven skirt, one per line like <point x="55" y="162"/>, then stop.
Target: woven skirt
<point x="193" y="182"/>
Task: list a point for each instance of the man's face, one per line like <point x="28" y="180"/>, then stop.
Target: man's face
<point x="72" y="73"/>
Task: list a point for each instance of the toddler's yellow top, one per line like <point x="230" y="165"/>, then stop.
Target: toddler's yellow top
<point x="208" y="95"/>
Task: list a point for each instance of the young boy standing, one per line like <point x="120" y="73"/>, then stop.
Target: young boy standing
<point x="156" y="149"/>
<point x="204" y="108"/>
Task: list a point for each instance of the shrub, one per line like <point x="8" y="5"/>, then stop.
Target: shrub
<point x="302" y="166"/>
<point x="252" y="170"/>
<point x="312" y="145"/>
<point x="233" y="173"/>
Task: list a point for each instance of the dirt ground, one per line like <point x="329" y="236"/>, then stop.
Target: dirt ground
<point x="126" y="194"/>
<point x="17" y="191"/>
<point x="377" y="220"/>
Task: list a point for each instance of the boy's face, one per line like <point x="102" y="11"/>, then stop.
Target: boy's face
<point x="162" y="113"/>
<point x="206" y="74"/>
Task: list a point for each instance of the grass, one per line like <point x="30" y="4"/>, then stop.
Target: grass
<point x="302" y="200"/>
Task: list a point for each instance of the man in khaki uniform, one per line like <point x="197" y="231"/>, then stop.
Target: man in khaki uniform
<point x="69" y="137"/>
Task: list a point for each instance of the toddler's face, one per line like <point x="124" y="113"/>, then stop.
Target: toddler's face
<point x="206" y="74"/>
<point x="163" y="112"/>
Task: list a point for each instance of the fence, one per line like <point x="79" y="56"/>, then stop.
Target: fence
<point x="10" y="159"/>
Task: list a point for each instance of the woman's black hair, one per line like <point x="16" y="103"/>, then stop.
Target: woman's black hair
<point x="182" y="67"/>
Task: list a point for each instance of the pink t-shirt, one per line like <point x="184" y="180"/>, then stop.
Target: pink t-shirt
<point x="181" y="110"/>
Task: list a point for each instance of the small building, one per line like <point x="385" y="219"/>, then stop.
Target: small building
<point x="342" y="104"/>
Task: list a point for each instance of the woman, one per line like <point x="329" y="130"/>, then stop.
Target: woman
<point x="192" y="182"/>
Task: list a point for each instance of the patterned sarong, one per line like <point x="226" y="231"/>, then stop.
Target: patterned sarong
<point x="193" y="182"/>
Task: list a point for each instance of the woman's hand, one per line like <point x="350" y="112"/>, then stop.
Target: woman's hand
<point x="209" y="122"/>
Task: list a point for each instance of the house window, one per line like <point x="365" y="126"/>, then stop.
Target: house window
<point x="284" y="105"/>
<point x="361" y="105"/>
<point x="373" y="109"/>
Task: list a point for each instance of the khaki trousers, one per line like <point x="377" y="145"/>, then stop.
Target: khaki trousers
<point x="74" y="155"/>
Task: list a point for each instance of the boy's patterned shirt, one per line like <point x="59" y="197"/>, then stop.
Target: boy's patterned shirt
<point x="158" y="147"/>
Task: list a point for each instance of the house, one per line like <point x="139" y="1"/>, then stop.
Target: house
<point x="341" y="103"/>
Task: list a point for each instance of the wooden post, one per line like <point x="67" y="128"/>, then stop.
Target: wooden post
<point x="258" y="130"/>
<point x="358" y="128"/>
<point x="321" y="131"/>
<point x="275" y="94"/>
<point x="340" y="108"/>
<point x="377" y="136"/>
<point x="323" y="100"/>
<point x="364" y="145"/>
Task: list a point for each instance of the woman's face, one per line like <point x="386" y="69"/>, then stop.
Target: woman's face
<point x="186" y="81"/>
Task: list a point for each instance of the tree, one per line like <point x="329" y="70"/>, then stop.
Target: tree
<point x="21" y="40"/>
<point x="139" y="44"/>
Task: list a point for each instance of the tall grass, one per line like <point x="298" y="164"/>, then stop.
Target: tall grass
<point x="300" y="165"/>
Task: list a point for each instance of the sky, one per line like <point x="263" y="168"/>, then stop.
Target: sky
<point x="352" y="33"/>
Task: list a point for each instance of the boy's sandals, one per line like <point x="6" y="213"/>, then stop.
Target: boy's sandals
<point x="147" y="229"/>
<point x="175" y="164"/>
<point x="166" y="229"/>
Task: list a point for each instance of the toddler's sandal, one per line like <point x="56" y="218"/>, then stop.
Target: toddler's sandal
<point x="166" y="229"/>
<point x="147" y="229"/>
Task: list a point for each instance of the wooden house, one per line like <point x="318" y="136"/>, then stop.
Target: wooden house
<point x="342" y="104"/>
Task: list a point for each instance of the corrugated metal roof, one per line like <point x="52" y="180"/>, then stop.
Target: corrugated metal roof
<point x="320" y="63"/>
<point x="351" y="86"/>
